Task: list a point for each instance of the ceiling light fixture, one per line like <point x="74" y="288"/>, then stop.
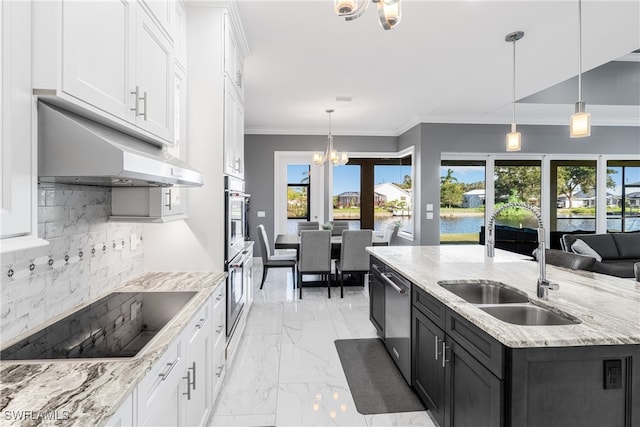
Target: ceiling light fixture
<point x="514" y="139"/>
<point x="388" y="11"/>
<point x="580" y="123"/>
<point x="331" y="154"/>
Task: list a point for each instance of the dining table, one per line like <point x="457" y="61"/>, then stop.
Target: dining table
<point x="292" y="241"/>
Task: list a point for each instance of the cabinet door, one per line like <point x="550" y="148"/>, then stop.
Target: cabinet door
<point x="474" y="394"/>
<point x="376" y="302"/>
<point x="124" y="415"/>
<point x="230" y="129"/>
<point x="97" y="56"/>
<point x="166" y="412"/>
<point x="16" y="191"/>
<point x="230" y="49"/>
<point x="196" y="394"/>
<point x="163" y="11"/>
<point x="239" y="142"/>
<point x="155" y="79"/>
<point x="247" y="279"/>
<point x="428" y="370"/>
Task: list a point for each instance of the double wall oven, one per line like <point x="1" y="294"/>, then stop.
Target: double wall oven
<point x="236" y="256"/>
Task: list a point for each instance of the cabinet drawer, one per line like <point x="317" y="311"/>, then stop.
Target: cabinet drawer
<point x="163" y="377"/>
<point x="218" y="318"/>
<point x="218" y="361"/>
<point x="480" y="345"/>
<point x="198" y="326"/>
<point x="429" y="306"/>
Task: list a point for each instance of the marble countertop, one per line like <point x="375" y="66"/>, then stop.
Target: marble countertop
<point x="87" y="392"/>
<point x="608" y="307"/>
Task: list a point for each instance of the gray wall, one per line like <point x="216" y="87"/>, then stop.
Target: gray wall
<point x="436" y="139"/>
<point x="259" y="157"/>
<point x="430" y="141"/>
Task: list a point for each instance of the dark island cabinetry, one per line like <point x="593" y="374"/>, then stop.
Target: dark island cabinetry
<point x="467" y="378"/>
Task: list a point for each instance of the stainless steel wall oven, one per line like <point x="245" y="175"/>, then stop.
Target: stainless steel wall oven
<point x="236" y="234"/>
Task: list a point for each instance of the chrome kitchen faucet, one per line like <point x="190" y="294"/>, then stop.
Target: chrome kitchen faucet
<point x="543" y="284"/>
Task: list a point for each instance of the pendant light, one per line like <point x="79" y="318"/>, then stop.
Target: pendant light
<point x="330" y="154"/>
<point x="580" y="123"/>
<point x="514" y="139"/>
<point x="388" y="11"/>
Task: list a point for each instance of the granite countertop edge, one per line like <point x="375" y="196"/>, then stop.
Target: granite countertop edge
<point x="608" y="307"/>
<point x="88" y="392"/>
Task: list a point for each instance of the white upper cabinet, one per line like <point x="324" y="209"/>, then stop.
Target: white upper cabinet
<point x="17" y="172"/>
<point x="109" y="60"/>
<point x="154" y="88"/>
<point x="96" y="46"/>
<point x="233" y="56"/>
<point x="180" y="35"/>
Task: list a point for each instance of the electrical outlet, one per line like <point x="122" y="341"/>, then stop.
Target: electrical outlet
<point x="612" y="374"/>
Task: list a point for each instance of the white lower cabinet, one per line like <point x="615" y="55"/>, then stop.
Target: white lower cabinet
<point x="181" y="387"/>
<point x="147" y="204"/>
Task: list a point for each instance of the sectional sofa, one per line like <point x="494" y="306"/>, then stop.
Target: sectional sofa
<point x="615" y="253"/>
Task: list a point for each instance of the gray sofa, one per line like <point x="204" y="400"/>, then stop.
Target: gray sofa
<point x="619" y="251"/>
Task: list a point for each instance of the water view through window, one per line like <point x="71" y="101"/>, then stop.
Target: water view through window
<point x="462" y="201"/>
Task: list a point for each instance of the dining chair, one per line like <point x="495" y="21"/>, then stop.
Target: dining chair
<point x="308" y="225"/>
<point x="338" y="227"/>
<point x="314" y="256"/>
<point x="353" y="256"/>
<point x="274" y="261"/>
<point x="391" y="234"/>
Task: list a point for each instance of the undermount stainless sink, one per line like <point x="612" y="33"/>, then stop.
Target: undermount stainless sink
<point x="529" y="315"/>
<point x="118" y="325"/>
<point x="505" y="303"/>
<point x="484" y="292"/>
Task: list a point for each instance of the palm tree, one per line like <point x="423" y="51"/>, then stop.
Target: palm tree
<point x="449" y="179"/>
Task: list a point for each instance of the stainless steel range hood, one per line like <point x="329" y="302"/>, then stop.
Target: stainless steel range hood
<point x="76" y="150"/>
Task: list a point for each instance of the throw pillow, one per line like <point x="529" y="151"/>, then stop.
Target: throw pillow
<point x="580" y="247"/>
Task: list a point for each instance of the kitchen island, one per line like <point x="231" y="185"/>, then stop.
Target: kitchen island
<point x="87" y="392"/>
<point x="467" y="364"/>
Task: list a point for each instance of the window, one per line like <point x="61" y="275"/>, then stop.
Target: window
<point x="573" y="195"/>
<point x="392" y="197"/>
<point x="297" y="195"/>
<point x="623" y="195"/>
<point x="346" y="195"/>
<point x="517" y="181"/>
<point x="462" y="200"/>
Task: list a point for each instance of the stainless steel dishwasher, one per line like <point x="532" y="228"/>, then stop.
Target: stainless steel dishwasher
<point x="397" y="321"/>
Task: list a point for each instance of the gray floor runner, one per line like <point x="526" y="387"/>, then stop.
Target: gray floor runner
<point x="376" y="384"/>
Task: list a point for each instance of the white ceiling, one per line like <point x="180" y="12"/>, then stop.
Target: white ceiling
<point x="446" y="62"/>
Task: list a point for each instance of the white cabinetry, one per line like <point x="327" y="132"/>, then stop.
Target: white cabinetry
<point x="218" y="334"/>
<point x="17" y="172"/>
<point x="196" y="400"/>
<point x="233" y="60"/>
<point x="124" y="415"/>
<point x="109" y="61"/>
<point x="146" y="204"/>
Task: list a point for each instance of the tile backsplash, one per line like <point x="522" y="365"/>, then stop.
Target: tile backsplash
<point x="87" y="256"/>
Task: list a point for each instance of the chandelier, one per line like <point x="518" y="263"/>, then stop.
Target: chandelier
<point x="388" y="10"/>
<point x="330" y="154"/>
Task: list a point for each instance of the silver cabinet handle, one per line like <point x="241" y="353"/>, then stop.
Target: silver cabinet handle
<point x="137" y="98"/>
<point x="201" y="323"/>
<point x="188" y="378"/>
<point x="219" y="372"/>
<point x="168" y="195"/>
<point x="391" y="283"/>
<point x="239" y="79"/>
<point x="172" y="365"/>
<point x="444" y="353"/>
<point x="437" y="341"/>
<point x="193" y="370"/>
<point x="146" y="106"/>
<point x="220" y="328"/>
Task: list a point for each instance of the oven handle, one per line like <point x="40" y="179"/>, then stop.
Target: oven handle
<point x="242" y="261"/>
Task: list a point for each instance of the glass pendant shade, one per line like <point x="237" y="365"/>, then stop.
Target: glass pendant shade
<point x="345" y="7"/>
<point x="389" y="13"/>
<point x="580" y="124"/>
<point x="331" y="154"/>
<point x="514" y="139"/>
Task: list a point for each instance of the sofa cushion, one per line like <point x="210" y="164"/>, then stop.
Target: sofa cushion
<point x="580" y="247"/>
<point x="603" y="244"/>
<point x="619" y="268"/>
<point x="628" y="245"/>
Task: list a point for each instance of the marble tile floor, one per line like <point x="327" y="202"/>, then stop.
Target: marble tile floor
<point x="287" y="371"/>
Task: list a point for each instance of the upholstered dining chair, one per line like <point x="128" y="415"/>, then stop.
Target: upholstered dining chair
<point x="314" y="256"/>
<point x="274" y="261"/>
<point x="353" y="256"/>
<point x="391" y="234"/>
<point x="338" y="227"/>
<point x="308" y="225"/>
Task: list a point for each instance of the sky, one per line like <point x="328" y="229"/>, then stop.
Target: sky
<point x="347" y="177"/>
